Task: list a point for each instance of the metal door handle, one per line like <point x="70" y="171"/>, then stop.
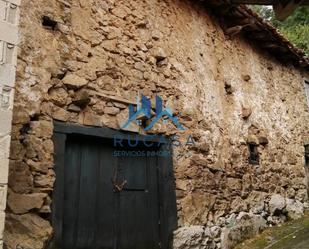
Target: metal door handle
<point x="118" y="187"/>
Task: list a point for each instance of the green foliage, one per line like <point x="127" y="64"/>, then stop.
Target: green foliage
<point x="295" y="27"/>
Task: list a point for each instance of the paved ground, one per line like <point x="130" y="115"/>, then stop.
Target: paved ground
<point x="292" y="235"/>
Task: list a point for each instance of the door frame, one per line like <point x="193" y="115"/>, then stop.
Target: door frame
<point x="166" y="179"/>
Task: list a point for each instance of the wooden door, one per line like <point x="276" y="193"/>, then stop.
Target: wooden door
<point x="107" y="202"/>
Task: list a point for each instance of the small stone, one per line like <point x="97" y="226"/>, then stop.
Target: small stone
<point x="120" y="105"/>
<point x="60" y="114"/>
<point x="41" y="167"/>
<point x="58" y="96"/>
<point x="17" y="150"/>
<point x="114" y="33"/>
<point x="92" y="119"/>
<point x="45" y="181"/>
<point x="121" y="11"/>
<point x="106" y="83"/>
<point x="156" y="35"/>
<point x="46" y="108"/>
<point x="159" y="53"/>
<point x="143" y="47"/>
<point x="143" y="24"/>
<point x="215" y="231"/>
<point x="246" y="77"/>
<point x="126" y="85"/>
<point x="181" y="184"/>
<point x="188" y="237"/>
<point x="74" y="108"/>
<point x="252" y="139"/>
<point x="81" y="99"/>
<point x="139" y="66"/>
<point x="20" y="115"/>
<point x="45" y="209"/>
<point x="23" y="203"/>
<point x="27" y="230"/>
<point x="294" y="208"/>
<point x="276" y="204"/>
<point x="20" y="177"/>
<point x="73" y="81"/>
<point x="111" y="110"/>
<point x="263" y="140"/>
<point x="110" y="45"/>
<point x="203" y="148"/>
<point x="246" y="112"/>
<point x="42" y="128"/>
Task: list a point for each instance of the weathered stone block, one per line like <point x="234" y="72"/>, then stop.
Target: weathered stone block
<point x="20" y="115"/>
<point x="245" y="226"/>
<point x="263" y="140"/>
<point x="8" y="32"/>
<point x="252" y="139"/>
<point x="42" y="128"/>
<point x="74" y="108"/>
<point x="7" y="75"/>
<point x="59" y="96"/>
<point x="81" y="99"/>
<point x="276" y="204"/>
<point x="60" y="114"/>
<point x="92" y="119"/>
<point x="45" y="181"/>
<point x="3" y="194"/>
<point x="17" y="150"/>
<point x="6" y="98"/>
<point x="13" y="12"/>
<point x="41" y="167"/>
<point x="23" y="203"/>
<point x="111" y="110"/>
<point x="294" y="208"/>
<point x="189" y="237"/>
<point x="2" y="222"/>
<point x="246" y="112"/>
<point x="27" y="231"/>
<point x="20" y="177"/>
<point x="159" y="53"/>
<point x="10" y="57"/>
<point x="4" y="171"/>
<point x="74" y="81"/>
<point x="5" y="146"/>
<point x="6" y="122"/>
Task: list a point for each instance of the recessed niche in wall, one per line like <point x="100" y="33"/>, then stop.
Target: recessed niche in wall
<point x="254" y="157"/>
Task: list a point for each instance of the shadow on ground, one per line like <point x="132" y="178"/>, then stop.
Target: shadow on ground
<point x="291" y="235"/>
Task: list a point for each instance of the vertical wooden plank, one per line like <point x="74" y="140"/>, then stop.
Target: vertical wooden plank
<point x="58" y="196"/>
<point x="138" y="209"/>
<point x="153" y="200"/>
<point x="106" y="210"/>
<point x="71" y="192"/>
<point x="168" y="208"/>
<point x="86" y="211"/>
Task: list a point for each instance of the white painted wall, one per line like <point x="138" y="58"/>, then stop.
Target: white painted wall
<point x="9" y="19"/>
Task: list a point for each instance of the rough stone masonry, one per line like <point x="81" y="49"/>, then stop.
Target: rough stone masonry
<point x="9" y="18"/>
<point x="83" y="61"/>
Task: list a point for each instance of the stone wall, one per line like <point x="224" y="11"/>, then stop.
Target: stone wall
<point x="9" y="19"/>
<point x="83" y="61"/>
